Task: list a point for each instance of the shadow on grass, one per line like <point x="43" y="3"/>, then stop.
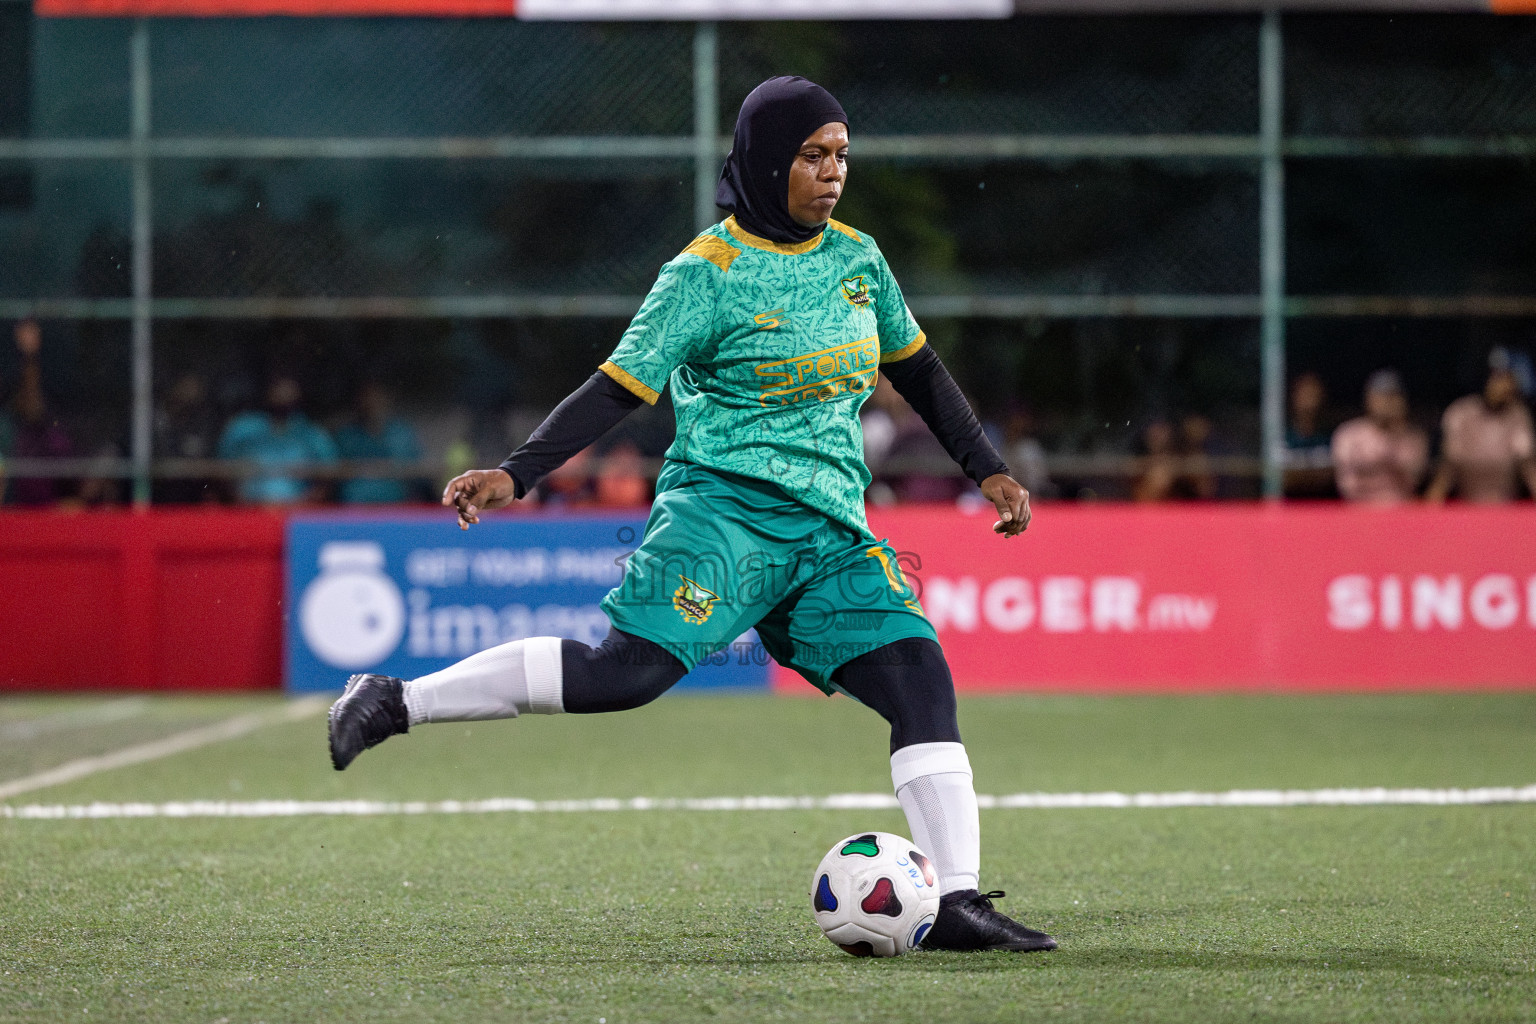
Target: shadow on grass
<point x="1117" y="959"/>
<point x="1134" y="958"/>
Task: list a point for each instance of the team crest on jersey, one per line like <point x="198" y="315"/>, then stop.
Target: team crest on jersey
<point x="693" y="602"/>
<point x="856" y="291"/>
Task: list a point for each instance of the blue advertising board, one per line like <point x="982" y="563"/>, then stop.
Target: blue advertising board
<point x="408" y="594"/>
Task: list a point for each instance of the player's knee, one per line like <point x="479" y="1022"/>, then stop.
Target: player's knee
<point x="624" y="673"/>
<point x="908" y="683"/>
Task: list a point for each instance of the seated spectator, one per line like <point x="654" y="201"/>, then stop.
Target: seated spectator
<point x="1380" y="457"/>
<point x="1026" y="455"/>
<point x="1159" y="473"/>
<point x="1197" y="480"/>
<point x="914" y="467"/>
<point x="377" y="433"/>
<point x="277" y="438"/>
<point x="877" y="425"/>
<point x="1176" y="466"/>
<point x="37" y="433"/>
<point x="877" y="422"/>
<point x="186" y="427"/>
<point x="103" y="489"/>
<point x="570" y="485"/>
<point x="917" y="465"/>
<point x="1486" y="442"/>
<point x="1308" y="454"/>
<point x="621" y="481"/>
<point x="7" y="443"/>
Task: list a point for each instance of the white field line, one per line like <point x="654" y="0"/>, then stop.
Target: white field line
<point x="229" y="729"/>
<point x="76" y="718"/>
<point x="838" y="802"/>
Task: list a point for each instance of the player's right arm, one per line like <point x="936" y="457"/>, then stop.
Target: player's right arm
<point x="675" y="318"/>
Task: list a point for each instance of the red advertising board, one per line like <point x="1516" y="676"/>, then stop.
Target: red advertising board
<point x="1228" y="597"/>
<point x="687" y="10"/>
<point x="1092" y="597"/>
<point x="247" y="8"/>
<point x="544" y="10"/>
<point x="188" y="599"/>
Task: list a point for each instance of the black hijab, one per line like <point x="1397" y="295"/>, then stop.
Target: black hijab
<point x="775" y="119"/>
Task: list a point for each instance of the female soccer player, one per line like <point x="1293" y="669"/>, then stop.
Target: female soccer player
<point x="771" y="329"/>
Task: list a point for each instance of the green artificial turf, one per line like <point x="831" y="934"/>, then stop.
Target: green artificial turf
<point x="1304" y="913"/>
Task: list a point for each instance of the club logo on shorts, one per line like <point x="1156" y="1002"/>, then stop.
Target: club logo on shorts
<point x="856" y="291"/>
<point x="693" y="602"/>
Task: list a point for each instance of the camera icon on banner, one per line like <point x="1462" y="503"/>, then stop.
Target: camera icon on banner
<point x="352" y="616"/>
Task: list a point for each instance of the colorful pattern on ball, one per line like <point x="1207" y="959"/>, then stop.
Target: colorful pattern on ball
<point x="825" y="902"/>
<point x="926" y="866"/>
<point x="864" y="846"/>
<point x="882" y="899"/>
<point x="922" y="929"/>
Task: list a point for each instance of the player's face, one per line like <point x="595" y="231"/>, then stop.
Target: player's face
<point x="817" y="176"/>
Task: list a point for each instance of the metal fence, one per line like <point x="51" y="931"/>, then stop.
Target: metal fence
<point x="544" y="171"/>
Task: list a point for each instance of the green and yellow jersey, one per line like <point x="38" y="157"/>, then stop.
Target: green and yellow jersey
<point x="770" y="350"/>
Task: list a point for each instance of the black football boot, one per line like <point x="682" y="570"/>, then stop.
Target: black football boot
<point x="370" y="711"/>
<point x="968" y="922"/>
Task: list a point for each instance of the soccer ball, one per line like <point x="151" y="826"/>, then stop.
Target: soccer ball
<point x="875" y="894"/>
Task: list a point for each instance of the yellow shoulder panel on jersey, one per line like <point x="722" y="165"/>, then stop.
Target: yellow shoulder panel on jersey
<point x="906" y="350"/>
<point x="837" y="225"/>
<point x="715" y="249"/>
<point x="746" y="237"/>
<point x="630" y="383"/>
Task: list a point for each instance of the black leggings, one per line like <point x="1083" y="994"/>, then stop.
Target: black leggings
<point x="906" y="682"/>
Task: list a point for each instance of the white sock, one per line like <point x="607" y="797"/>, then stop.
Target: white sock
<point x="521" y="677"/>
<point x="933" y="783"/>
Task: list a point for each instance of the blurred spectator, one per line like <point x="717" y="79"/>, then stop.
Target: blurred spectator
<point x="1486" y="441"/>
<point x="877" y="421"/>
<point x="621" y="482"/>
<point x="917" y="465"/>
<point x="277" y="437"/>
<point x="377" y="433"/>
<point x="914" y="466"/>
<point x="1176" y="465"/>
<point x="570" y="485"/>
<point x="1025" y="454"/>
<point x="1380" y="457"/>
<point x="186" y="427"/>
<point x="1305" y="432"/>
<point x="1197" y="480"/>
<point x="7" y="444"/>
<point x="37" y="434"/>
<point x="1159" y="463"/>
<point x="1309" y="457"/>
<point x="101" y="490"/>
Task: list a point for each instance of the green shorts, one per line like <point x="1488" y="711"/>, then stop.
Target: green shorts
<point x="723" y="553"/>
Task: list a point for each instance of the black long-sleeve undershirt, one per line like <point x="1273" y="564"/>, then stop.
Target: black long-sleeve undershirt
<point x="925" y="383"/>
<point x="601" y="403"/>
<point x="587" y="414"/>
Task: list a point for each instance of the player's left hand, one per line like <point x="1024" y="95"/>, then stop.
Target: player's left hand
<point x="1012" y="502"/>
